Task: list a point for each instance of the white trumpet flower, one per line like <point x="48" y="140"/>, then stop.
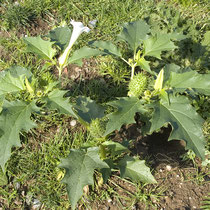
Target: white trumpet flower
<point x="78" y="29"/>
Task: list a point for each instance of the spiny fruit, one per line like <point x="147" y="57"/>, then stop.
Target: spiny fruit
<point x="137" y="85"/>
<point x="97" y="127"/>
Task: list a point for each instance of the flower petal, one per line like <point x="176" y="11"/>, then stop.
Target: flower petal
<point x="78" y="29"/>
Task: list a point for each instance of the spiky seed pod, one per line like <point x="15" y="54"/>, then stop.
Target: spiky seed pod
<point x="98" y="127"/>
<point x="137" y="85"/>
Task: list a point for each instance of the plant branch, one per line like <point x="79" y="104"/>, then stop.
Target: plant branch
<point x="126" y="61"/>
<point x="133" y="70"/>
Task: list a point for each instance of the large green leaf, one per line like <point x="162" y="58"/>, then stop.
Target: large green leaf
<point x="55" y="100"/>
<point x="186" y="123"/>
<point x="107" y="47"/>
<point x="10" y="84"/>
<point x="168" y="68"/>
<point x="43" y="48"/>
<point x="154" y="45"/>
<point x="84" y="52"/>
<point x="14" y="118"/>
<point x="133" y="33"/>
<point x="60" y="36"/>
<point x="88" y="110"/>
<point x="80" y="166"/>
<point x="17" y="71"/>
<point x="103" y="48"/>
<point x="135" y="169"/>
<point x="190" y="80"/>
<point x="127" y="107"/>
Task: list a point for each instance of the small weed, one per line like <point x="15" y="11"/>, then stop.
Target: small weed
<point x="190" y="155"/>
<point x="116" y="69"/>
<point x="135" y="193"/>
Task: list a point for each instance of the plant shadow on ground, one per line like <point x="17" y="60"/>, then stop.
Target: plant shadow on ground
<point x="88" y="81"/>
<point x="193" y="54"/>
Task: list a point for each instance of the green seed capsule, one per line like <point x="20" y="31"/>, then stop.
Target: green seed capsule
<point x="97" y="127"/>
<point x="137" y="85"/>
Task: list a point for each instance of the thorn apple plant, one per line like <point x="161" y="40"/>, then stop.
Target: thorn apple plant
<point x="165" y="101"/>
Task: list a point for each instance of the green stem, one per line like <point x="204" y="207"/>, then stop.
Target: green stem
<point x="125" y="61"/>
<point x="133" y="65"/>
<point x="102" y="152"/>
<point x="59" y="72"/>
<point x="133" y="70"/>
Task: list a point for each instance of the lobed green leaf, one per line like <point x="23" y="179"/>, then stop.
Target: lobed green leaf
<point x="14" y="118"/>
<point x="144" y="64"/>
<point x="88" y="110"/>
<point x="107" y="48"/>
<point x="11" y="84"/>
<point x="154" y="45"/>
<point x="190" y="80"/>
<point x="43" y="48"/>
<point x="17" y="71"/>
<point x="60" y="36"/>
<point x="84" y="52"/>
<point x="80" y="166"/>
<point x="55" y="100"/>
<point x="115" y="148"/>
<point x="127" y="107"/>
<point x="186" y="123"/>
<point x="134" y="33"/>
<point x="135" y="169"/>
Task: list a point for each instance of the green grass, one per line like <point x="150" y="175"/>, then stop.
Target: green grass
<point x="33" y="171"/>
<point x="206" y="202"/>
<point x="24" y="13"/>
<point x="13" y="52"/>
<point x="188" y="3"/>
<point x="111" y="17"/>
<point x="34" y="168"/>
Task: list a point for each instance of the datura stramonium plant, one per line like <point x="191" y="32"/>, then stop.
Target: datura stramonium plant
<point x="78" y="29"/>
